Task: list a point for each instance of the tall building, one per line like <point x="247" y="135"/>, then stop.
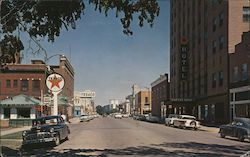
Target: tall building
<point x="135" y="90"/>
<point x="160" y="96"/>
<point x="113" y="104"/>
<point x="203" y="33"/>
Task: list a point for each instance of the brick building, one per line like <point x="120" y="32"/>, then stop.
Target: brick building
<point x="143" y="102"/>
<point x="29" y="79"/>
<point x="160" y="96"/>
<point x="203" y="33"/>
<point x="240" y="79"/>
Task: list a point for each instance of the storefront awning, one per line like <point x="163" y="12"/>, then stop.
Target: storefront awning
<point x="20" y="100"/>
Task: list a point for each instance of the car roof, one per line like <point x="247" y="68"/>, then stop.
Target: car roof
<point x="188" y="116"/>
<point x="47" y="117"/>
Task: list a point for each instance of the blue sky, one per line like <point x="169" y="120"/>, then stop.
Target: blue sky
<point x="109" y="62"/>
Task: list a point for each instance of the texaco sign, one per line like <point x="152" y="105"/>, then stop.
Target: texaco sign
<point x="55" y="82"/>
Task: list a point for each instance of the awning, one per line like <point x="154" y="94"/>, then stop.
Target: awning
<point x="20" y="100"/>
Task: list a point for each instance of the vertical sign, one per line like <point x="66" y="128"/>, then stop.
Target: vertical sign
<point x="184" y="59"/>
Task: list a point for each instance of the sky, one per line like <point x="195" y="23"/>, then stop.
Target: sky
<point x="107" y="61"/>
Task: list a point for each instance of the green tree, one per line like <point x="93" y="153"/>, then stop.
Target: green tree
<point x="100" y="110"/>
<point x="46" y="19"/>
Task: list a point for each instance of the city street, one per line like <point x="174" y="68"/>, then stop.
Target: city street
<point x="127" y="137"/>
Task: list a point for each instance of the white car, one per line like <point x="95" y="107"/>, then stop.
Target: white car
<point x="119" y="116"/>
<point x="125" y="115"/>
<point x="186" y="121"/>
<point x="170" y="120"/>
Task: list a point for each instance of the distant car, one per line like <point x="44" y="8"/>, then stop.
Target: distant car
<point x="85" y="118"/>
<point x="46" y="129"/>
<point x="170" y="120"/>
<point x="186" y="121"/>
<point x="239" y="128"/>
<point x="125" y="115"/>
<point x="153" y="119"/>
<point x="119" y="116"/>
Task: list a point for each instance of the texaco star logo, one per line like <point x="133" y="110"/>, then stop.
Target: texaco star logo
<point x="55" y="82"/>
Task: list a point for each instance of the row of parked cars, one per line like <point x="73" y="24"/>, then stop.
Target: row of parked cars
<point x="86" y="118"/>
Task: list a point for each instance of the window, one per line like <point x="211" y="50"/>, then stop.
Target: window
<point x="220" y="78"/>
<point x="242" y="95"/>
<point x="221" y="16"/>
<point x="214" y="46"/>
<point x="213" y="80"/>
<point x="35" y="85"/>
<point x="222" y="40"/>
<point x="15" y="84"/>
<point x="8" y="85"/>
<point x="235" y="73"/>
<point x="23" y="112"/>
<point x="6" y="112"/>
<point x="24" y="85"/>
<point x="244" y="71"/>
<point x="246" y="14"/>
<point x="146" y="99"/>
<point x="214" y="24"/>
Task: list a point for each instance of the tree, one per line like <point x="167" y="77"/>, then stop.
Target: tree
<point x="100" y="110"/>
<point x="46" y="19"/>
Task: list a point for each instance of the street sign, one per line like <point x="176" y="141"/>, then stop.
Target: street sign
<point x="55" y="82"/>
<point x="47" y="100"/>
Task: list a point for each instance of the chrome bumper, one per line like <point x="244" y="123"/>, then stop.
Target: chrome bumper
<point x="40" y="137"/>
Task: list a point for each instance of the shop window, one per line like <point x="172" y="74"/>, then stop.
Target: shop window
<point x="6" y="113"/>
<point x="24" y="85"/>
<point x="23" y="112"/>
<point x="242" y="96"/>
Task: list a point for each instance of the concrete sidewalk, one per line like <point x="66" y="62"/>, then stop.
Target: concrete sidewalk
<point x="209" y="129"/>
<point x="13" y="130"/>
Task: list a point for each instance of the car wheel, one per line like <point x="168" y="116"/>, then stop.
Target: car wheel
<point x="222" y="135"/>
<point x="241" y="137"/>
<point x="57" y="140"/>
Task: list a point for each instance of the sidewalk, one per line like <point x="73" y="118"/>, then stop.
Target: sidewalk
<point x="13" y="130"/>
<point x="74" y="120"/>
<point x="209" y="129"/>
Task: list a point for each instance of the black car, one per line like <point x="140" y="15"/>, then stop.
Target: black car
<point x="239" y="128"/>
<point x="46" y="129"/>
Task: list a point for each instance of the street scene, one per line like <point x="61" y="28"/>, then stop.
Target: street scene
<point x="104" y="78"/>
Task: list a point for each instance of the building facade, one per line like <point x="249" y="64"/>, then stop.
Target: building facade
<point x="29" y="79"/>
<point x="84" y="103"/>
<point x="240" y="79"/>
<point x="203" y="33"/>
<point x="160" y="96"/>
<point x="143" y="102"/>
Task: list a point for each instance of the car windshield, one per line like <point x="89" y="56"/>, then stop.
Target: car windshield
<point x="191" y="118"/>
<point x="45" y="121"/>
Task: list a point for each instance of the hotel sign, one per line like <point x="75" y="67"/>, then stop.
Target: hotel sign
<point x="184" y="59"/>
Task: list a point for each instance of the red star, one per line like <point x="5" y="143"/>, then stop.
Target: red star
<point x="55" y="82"/>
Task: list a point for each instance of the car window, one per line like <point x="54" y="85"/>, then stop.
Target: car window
<point x="51" y="121"/>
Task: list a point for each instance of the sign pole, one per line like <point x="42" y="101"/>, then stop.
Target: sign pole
<point x="55" y="103"/>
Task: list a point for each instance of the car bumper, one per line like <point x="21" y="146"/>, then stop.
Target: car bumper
<point x="41" y="137"/>
<point x="44" y="140"/>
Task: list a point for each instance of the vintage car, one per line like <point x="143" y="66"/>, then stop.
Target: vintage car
<point x="118" y="116"/>
<point x="46" y="129"/>
<point x="239" y="128"/>
<point x="85" y="118"/>
<point x="186" y="121"/>
<point x="170" y="120"/>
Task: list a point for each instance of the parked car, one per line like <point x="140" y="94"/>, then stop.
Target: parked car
<point x="170" y="120"/>
<point x="239" y="128"/>
<point x="46" y="129"/>
<point x="85" y="118"/>
<point x="153" y="119"/>
<point x="118" y="115"/>
<point x="125" y="115"/>
<point x="186" y="121"/>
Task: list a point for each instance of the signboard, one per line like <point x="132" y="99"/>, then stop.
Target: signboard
<point x="55" y="82"/>
<point x="47" y="100"/>
<point x="181" y="100"/>
<point x="87" y="94"/>
<point x="184" y="59"/>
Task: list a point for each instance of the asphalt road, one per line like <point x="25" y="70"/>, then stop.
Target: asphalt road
<point x="126" y="137"/>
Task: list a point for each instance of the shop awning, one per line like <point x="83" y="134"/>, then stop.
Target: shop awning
<point x="20" y="100"/>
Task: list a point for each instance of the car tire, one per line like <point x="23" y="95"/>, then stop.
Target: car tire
<point x="222" y="135"/>
<point x="57" y="140"/>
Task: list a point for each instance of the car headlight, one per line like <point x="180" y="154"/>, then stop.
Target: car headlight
<point x="51" y="130"/>
<point x="24" y="133"/>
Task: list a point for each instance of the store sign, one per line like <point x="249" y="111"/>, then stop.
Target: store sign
<point x="184" y="59"/>
<point x="181" y="100"/>
<point x="87" y="94"/>
<point x="55" y="82"/>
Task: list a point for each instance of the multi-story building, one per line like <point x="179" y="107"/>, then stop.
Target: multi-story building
<point x="160" y="96"/>
<point x="114" y="103"/>
<point x="135" y="90"/>
<point x="203" y="33"/>
<point x="240" y="79"/>
<point x="84" y="102"/>
<point x="29" y="79"/>
<point x="143" y="102"/>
